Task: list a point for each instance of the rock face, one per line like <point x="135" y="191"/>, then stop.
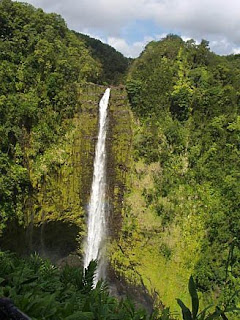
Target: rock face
<point x="55" y="207"/>
<point x="119" y="152"/>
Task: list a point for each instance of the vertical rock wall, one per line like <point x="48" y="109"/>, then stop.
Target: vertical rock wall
<point x="62" y="177"/>
<point x="119" y="146"/>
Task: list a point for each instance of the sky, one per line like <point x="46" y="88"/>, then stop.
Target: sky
<point x="128" y="25"/>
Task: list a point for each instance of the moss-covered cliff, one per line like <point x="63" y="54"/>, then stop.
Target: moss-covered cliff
<point x="118" y="154"/>
<point x="55" y="209"/>
<point x="61" y="177"/>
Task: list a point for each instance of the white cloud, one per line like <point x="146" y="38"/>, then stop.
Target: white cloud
<point x="217" y="20"/>
<point x="129" y="50"/>
<point x="236" y="50"/>
<point x="94" y="14"/>
<point x="222" y="45"/>
<point x="132" y="49"/>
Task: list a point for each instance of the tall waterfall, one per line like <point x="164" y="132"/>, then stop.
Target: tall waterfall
<point x="97" y="207"/>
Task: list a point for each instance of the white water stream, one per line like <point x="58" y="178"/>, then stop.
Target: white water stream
<point x="97" y="207"/>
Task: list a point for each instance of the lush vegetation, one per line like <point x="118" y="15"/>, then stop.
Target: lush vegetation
<point x="182" y="209"/>
<point x="181" y="213"/>
<point x="43" y="291"/>
<point x="42" y="67"/>
<point x="114" y="64"/>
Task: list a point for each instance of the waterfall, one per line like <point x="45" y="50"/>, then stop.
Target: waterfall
<point x="97" y="207"/>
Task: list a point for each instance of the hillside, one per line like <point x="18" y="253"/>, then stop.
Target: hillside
<point x="182" y="208"/>
<point x="43" y="66"/>
<point x="114" y="64"/>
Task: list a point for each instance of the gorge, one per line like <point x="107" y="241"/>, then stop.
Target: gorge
<point x="167" y="170"/>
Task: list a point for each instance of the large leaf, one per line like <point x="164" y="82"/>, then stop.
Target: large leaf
<point x="81" y="316"/>
<point x="29" y="280"/>
<point x="185" y="311"/>
<point x="202" y="314"/>
<point x="194" y="296"/>
<point x="215" y="315"/>
<point x="89" y="276"/>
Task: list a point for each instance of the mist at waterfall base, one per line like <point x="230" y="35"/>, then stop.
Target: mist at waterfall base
<point x="96" y="225"/>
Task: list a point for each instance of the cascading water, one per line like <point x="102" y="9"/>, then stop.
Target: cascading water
<point x="97" y="207"/>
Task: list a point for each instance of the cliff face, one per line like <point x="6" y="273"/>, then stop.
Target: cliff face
<point x="119" y="155"/>
<point x="55" y="208"/>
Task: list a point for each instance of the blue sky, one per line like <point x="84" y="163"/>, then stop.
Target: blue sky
<point x="136" y="30"/>
<point x="129" y="25"/>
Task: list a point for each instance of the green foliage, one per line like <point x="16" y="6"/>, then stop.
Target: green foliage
<point x="186" y="99"/>
<point x="182" y="91"/>
<point x="114" y="64"/>
<point x="42" y="65"/>
<point x="43" y="291"/>
<point x="134" y="90"/>
<point x="203" y="315"/>
<point x="152" y="75"/>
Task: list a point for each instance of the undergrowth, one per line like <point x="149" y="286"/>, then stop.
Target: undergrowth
<point x="43" y="291"/>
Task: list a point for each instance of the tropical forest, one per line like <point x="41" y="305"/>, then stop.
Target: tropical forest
<point x="119" y="177"/>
